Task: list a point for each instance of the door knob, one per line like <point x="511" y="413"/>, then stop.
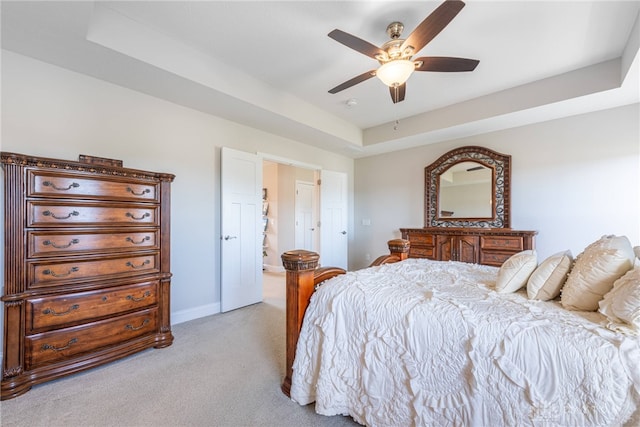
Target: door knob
<point x="230" y="237"/>
<point x="343" y="232"/>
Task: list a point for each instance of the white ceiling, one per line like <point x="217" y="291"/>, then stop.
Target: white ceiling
<point x="269" y="64"/>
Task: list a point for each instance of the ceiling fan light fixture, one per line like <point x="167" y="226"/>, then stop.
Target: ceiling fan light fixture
<point x="395" y="73"/>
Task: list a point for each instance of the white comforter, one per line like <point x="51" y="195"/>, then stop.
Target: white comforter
<point x="431" y="344"/>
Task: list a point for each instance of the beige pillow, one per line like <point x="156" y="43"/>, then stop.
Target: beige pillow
<point x="622" y="304"/>
<point x="595" y="270"/>
<point x="636" y="250"/>
<point x="547" y="280"/>
<point x="515" y="271"/>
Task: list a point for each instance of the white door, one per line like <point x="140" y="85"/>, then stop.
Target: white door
<point x="241" y="229"/>
<point x="304" y="218"/>
<point x="333" y="219"/>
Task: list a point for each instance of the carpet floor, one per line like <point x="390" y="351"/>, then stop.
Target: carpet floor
<point x="222" y="370"/>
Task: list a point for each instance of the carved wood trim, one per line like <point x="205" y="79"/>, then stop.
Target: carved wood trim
<point x="303" y="275"/>
<point x="501" y="206"/>
<point x="19" y="285"/>
<point x="93" y="160"/>
<point x="300" y="266"/>
<point x="24" y="160"/>
<point x="399" y="251"/>
<point x="450" y="231"/>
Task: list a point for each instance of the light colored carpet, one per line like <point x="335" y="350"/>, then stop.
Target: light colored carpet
<point x="222" y="370"/>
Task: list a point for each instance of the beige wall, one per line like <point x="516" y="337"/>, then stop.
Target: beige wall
<point x="280" y="181"/>
<point x="573" y="180"/>
<point x="53" y="112"/>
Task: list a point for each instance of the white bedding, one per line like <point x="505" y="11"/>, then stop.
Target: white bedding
<point x="430" y="343"/>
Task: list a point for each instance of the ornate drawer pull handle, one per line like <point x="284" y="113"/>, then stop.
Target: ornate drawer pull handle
<point x="144" y="239"/>
<point x="54" y="348"/>
<point x="145" y="295"/>
<point x="72" y="242"/>
<point x="145" y="322"/>
<point x="130" y="215"/>
<point x="145" y="191"/>
<point x="51" y="214"/>
<point x="52" y="312"/>
<point x="130" y="264"/>
<point x="52" y="185"/>
<point x="49" y="272"/>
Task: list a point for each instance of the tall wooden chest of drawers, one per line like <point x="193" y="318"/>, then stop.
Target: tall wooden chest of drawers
<point x="87" y="270"/>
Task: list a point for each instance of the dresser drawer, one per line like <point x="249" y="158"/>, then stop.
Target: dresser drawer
<point x="43" y="214"/>
<point x="49" y="347"/>
<point x="421" y="239"/>
<point x="50" y="273"/>
<point x="495" y="259"/>
<point x="48" y="243"/>
<point x="422" y="252"/>
<point x="55" y="311"/>
<point x="515" y="243"/>
<point x="54" y="184"/>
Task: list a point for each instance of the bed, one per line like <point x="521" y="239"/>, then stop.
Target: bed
<point x="421" y="342"/>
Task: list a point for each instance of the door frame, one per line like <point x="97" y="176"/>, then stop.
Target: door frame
<point x="303" y="165"/>
<point x="318" y="176"/>
<point x="289" y="162"/>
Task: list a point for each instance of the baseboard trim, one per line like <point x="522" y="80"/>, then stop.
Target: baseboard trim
<point x="194" y="313"/>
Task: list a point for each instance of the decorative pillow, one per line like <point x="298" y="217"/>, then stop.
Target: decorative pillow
<point x="515" y="271"/>
<point x="595" y="270"/>
<point x="636" y="250"/>
<point x="622" y="304"/>
<point x="547" y="280"/>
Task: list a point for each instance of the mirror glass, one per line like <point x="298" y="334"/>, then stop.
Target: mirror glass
<point x="465" y="191"/>
<point x="468" y="187"/>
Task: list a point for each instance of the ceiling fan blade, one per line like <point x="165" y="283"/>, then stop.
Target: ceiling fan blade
<point x="446" y="64"/>
<point x="397" y="92"/>
<point x="432" y="25"/>
<point x="354" y="81"/>
<point x="356" y="43"/>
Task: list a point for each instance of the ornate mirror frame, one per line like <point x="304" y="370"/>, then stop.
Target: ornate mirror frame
<point x="501" y="197"/>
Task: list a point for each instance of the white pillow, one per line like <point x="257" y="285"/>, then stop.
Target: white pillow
<point x="515" y="271"/>
<point x="622" y="304"/>
<point x="595" y="270"/>
<point x="547" y="280"/>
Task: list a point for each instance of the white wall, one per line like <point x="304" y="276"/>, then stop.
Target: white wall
<point x="573" y="180"/>
<point x="52" y="112"/>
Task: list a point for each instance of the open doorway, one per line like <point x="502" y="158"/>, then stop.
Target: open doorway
<point x="258" y="220"/>
<point x="290" y="211"/>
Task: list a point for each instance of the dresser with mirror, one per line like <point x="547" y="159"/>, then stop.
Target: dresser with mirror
<point x="467" y="212"/>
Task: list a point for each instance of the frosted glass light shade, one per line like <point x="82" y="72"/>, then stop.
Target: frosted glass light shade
<point x="395" y="73"/>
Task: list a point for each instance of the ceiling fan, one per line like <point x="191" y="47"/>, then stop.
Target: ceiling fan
<point x="395" y="56"/>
